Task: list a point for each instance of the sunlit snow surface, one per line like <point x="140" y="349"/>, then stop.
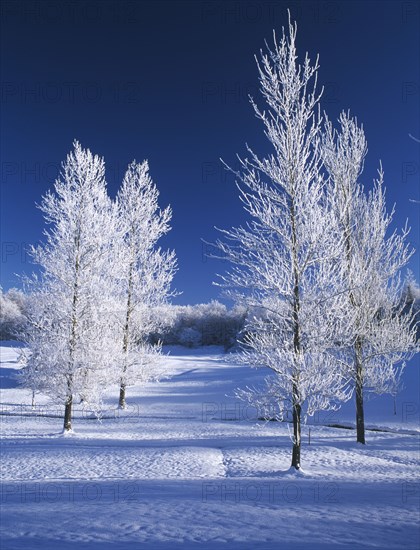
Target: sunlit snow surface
<point x="188" y="466"/>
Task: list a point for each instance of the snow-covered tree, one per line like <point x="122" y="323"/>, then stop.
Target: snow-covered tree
<point x="70" y="323"/>
<point x="146" y="271"/>
<point x="285" y="258"/>
<point x="190" y="337"/>
<point x="411" y="292"/>
<point x="410" y="301"/>
<point x="381" y="336"/>
<point x="12" y="309"/>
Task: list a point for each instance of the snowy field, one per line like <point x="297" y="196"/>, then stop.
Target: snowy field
<point x="188" y="466"/>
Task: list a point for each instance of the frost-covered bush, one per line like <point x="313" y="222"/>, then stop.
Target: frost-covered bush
<point x="189" y="337"/>
<point x="201" y="324"/>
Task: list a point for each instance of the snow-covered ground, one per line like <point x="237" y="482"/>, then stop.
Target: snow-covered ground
<point x="188" y="466"/>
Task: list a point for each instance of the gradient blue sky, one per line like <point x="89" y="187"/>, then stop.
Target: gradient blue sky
<point x="168" y="81"/>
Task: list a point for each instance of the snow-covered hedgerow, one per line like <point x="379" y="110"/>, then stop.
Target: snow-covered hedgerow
<point x="199" y="325"/>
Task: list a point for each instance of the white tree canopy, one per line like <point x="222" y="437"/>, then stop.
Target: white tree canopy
<point x="145" y="275"/>
<point x="286" y="259"/>
<point x="70" y="310"/>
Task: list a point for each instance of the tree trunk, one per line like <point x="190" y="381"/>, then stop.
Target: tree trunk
<point x="296" y="436"/>
<point x="121" y="402"/>
<point x="360" y="416"/>
<point x="358" y="363"/>
<point x="296" y="344"/>
<point x="67" y="414"/>
<point x="360" y="420"/>
<point x="73" y="338"/>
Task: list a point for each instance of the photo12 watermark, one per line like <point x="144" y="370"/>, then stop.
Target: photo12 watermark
<point x="49" y="413"/>
<point x="70" y="92"/>
<point x="70" y="12"/>
<point x="409" y="170"/>
<point x="227" y="93"/>
<point x="215" y="172"/>
<point x="14" y="251"/>
<point x="410" y="412"/>
<point x="23" y="172"/>
<point x="47" y="172"/>
<point x="80" y="493"/>
<point x="271" y="12"/>
<point x="410" y="492"/>
<point x="267" y="492"/>
<point x="410" y="90"/>
<point x="410" y="12"/>
<point x="239" y="411"/>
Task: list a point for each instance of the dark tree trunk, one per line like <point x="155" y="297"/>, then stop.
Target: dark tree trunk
<point x="360" y="418"/>
<point x="360" y="415"/>
<point x="67" y="414"/>
<point x="296" y="437"/>
<point x="73" y="338"/>
<point x="296" y="402"/>
<point x="358" y="364"/>
<point x="121" y="402"/>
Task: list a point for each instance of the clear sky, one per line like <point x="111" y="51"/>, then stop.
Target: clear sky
<point x="169" y="81"/>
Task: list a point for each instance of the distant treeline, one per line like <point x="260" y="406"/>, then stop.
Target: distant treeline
<point x="191" y="326"/>
<point x="199" y="325"/>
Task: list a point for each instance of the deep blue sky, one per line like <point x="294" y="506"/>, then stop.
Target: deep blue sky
<point x="168" y="81"/>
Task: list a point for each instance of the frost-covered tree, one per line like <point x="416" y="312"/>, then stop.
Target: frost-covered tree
<point x="411" y="292"/>
<point x="285" y="258"/>
<point x="146" y="272"/>
<point x="12" y="309"/>
<point x="70" y="325"/>
<point x="410" y="301"/>
<point x="381" y="336"/>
